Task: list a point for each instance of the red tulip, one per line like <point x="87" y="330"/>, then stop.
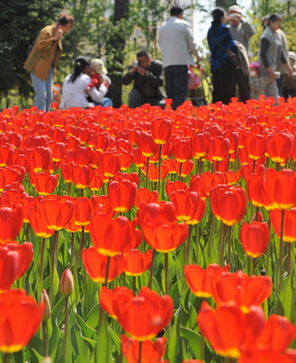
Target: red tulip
<point x="147" y="146"/>
<point x="242" y="330"/>
<point x="82" y="176"/>
<point x="186" y="168"/>
<point x="254" y="238"/>
<point x="136" y="263"/>
<point x="58" y="150"/>
<point x="199" y="280"/>
<point x="145" y="196"/>
<point x="174" y="186"/>
<point x="209" y="180"/>
<point x="111" y="236"/>
<point x="228" y="204"/>
<point x="182" y="150"/>
<point x="218" y="148"/>
<point x="139" y="159"/>
<point x="280" y="188"/>
<point x="45" y="183"/>
<point x="122" y="195"/>
<point x="18" y="311"/>
<point x="155" y="313"/>
<point x="161" y="130"/>
<point x="110" y="164"/>
<point x="56" y="211"/>
<point x="83" y="211"/>
<point x="6" y="154"/>
<point x="244" y="290"/>
<point x="279" y="146"/>
<point x="11" y="222"/>
<point x="38" y="224"/>
<point x="150" y="351"/>
<point x="25" y="253"/>
<point x="109" y="298"/>
<point x="40" y="159"/>
<point x="257" y="193"/>
<point x="289" y="231"/>
<point x="83" y="155"/>
<point x="185" y="203"/>
<point x="200" y="144"/>
<point x="255" y="145"/>
<point x="96" y="265"/>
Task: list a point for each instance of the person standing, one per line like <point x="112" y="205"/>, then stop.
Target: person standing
<point x="241" y="31"/>
<point x="43" y="59"/>
<point x="290" y="82"/>
<point x="177" y="47"/>
<point x="219" y="40"/>
<point x="271" y="54"/>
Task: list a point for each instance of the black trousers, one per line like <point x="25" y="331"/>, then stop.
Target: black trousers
<point x="242" y="82"/>
<point x="223" y="84"/>
<point x="176" y="84"/>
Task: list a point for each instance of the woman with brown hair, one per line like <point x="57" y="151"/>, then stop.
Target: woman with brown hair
<point x="43" y="59"/>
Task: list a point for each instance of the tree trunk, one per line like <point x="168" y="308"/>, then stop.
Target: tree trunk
<point x="118" y="44"/>
<point x="225" y="3"/>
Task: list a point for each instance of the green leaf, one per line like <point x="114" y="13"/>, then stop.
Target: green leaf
<point x="194" y="340"/>
<point x="88" y="331"/>
<point x="287" y="297"/>
<point x="82" y="351"/>
<point x="103" y="346"/>
<point x="173" y="340"/>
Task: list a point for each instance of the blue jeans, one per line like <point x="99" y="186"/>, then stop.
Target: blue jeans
<point x="43" y="91"/>
<point x="105" y="102"/>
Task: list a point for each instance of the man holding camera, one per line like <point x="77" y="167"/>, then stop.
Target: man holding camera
<point x="147" y="77"/>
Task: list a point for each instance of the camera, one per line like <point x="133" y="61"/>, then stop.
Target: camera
<point x="135" y="64"/>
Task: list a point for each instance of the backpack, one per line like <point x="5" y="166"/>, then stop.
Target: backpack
<point x="243" y="58"/>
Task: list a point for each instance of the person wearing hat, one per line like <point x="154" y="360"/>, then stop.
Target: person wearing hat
<point x="147" y="77"/>
<point x="177" y="47"/>
<point x="43" y="58"/>
<point x="240" y="29"/>
<point x="74" y="88"/>
<point x="258" y="82"/>
<point x="290" y="82"/>
<point x="98" y="73"/>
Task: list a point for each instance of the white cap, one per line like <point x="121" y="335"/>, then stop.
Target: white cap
<point x="235" y="8"/>
<point x="292" y="55"/>
<point x="98" y="65"/>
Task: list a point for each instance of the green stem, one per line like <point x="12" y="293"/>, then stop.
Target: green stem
<point x="44" y="338"/>
<point x="281" y="255"/>
<point x="107" y="271"/>
<point x="180" y="172"/>
<point x="134" y="285"/>
<point x="254" y="265"/>
<point x="147" y="170"/>
<point x="80" y="247"/>
<point x="140" y="352"/>
<point x="166" y="273"/>
<point x="188" y="244"/>
<point x="52" y="269"/>
<point x="159" y="168"/>
<point x="66" y="330"/>
<point x="289" y="258"/>
<point x="151" y="269"/>
<point x="229" y="246"/>
<point x="72" y="248"/>
<point x="5" y="357"/>
<point x="42" y="258"/>
<point x="197" y="242"/>
<point x="202" y="347"/>
<point x="267" y="253"/>
<point x="222" y="244"/>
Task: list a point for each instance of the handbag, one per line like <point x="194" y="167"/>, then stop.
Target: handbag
<point x="193" y="80"/>
<point x="232" y="57"/>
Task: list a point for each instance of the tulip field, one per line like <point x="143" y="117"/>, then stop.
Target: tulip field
<point x="148" y="235"/>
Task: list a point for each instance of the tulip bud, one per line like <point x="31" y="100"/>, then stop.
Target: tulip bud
<point x="46" y="360"/>
<point x="257" y="217"/>
<point x="67" y="284"/>
<point x="47" y="307"/>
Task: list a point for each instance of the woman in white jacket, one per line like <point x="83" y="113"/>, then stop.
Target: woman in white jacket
<point x="74" y="88"/>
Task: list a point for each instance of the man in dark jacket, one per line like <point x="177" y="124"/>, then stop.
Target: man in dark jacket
<point x="147" y="77"/>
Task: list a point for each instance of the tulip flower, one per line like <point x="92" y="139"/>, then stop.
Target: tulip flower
<point x="109" y="298"/>
<point x="56" y="211"/>
<point x="200" y="144"/>
<point x="111" y="236"/>
<point x="39" y="224"/>
<point x="185" y="203"/>
<point x="209" y="180"/>
<point x="83" y="211"/>
<point x="6" y="154"/>
<point x="40" y="159"/>
<point x="11" y="222"/>
<point x="96" y="265"/>
<point x="244" y="290"/>
<point x="145" y="315"/>
<point x="44" y="183"/>
<point x="218" y="148"/>
<point x="110" y="164"/>
<point x="289" y="231"/>
<point x="150" y="351"/>
<point x="242" y="330"/>
<point x="145" y="196"/>
<point x="82" y="175"/>
<point x="18" y="311"/>
<point x="199" y="280"/>
<point x="254" y="238"/>
<point x="136" y="263"/>
<point x="122" y="195"/>
<point x="147" y="146"/>
<point x="182" y="150"/>
<point x="161" y="130"/>
<point x="255" y="145"/>
<point x="279" y="146"/>
<point x="256" y="192"/>
<point x="228" y="204"/>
